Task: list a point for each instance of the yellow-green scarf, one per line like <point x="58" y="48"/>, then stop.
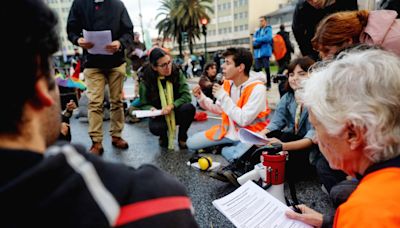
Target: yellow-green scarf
<point x="167" y="98"/>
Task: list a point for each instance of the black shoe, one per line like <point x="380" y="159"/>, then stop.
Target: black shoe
<point x="163" y="142"/>
<point x="182" y="145"/>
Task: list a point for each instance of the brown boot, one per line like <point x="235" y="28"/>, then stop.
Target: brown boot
<point x="97" y="148"/>
<point x="119" y="143"/>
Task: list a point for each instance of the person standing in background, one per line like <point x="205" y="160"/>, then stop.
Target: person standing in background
<point x="284" y="62"/>
<point x="102" y="69"/>
<point x="307" y="15"/>
<point x="136" y="53"/>
<point x="262" y="44"/>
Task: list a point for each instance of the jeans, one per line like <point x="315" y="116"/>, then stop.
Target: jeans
<point x="230" y="153"/>
<point x="263" y="62"/>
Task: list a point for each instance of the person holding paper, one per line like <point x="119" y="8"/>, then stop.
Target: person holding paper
<point x="163" y="87"/>
<point x="241" y="101"/>
<point x="46" y="185"/>
<point x="102" y="17"/>
<point x="291" y="128"/>
<point x="353" y="104"/>
<point x="289" y="125"/>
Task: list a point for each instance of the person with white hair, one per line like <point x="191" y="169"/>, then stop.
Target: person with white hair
<point x="354" y="105"/>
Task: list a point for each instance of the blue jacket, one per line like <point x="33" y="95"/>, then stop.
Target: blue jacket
<point x="262" y="42"/>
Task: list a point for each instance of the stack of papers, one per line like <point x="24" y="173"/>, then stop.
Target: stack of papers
<point x="100" y="40"/>
<point x="250" y="137"/>
<point x="251" y="206"/>
<point x="146" y="113"/>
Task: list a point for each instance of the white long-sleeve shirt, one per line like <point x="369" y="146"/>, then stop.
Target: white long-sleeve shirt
<point x="244" y="116"/>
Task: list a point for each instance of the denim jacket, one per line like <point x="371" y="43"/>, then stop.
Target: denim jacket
<point x="283" y="120"/>
<point x="284" y="116"/>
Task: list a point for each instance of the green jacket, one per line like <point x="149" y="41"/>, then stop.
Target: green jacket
<point x="150" y="97"/>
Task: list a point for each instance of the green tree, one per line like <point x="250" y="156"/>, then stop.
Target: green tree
<point x="183" y="16"/>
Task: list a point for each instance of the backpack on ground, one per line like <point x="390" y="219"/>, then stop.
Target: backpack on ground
<point x="279" y="47"/>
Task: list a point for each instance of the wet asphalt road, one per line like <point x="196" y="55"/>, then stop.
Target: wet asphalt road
<point x="202" y="189"/>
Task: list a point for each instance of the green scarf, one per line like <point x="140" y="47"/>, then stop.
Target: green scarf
<point x="167" y="98"/>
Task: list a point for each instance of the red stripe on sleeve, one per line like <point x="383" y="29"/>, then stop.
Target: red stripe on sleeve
<point x="148" y="208"/>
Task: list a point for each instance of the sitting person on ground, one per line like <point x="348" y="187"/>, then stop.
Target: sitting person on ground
<point x="241" y="102"/>
<point x="65" y="186"/>
<point x="358" y="132"/>
<point x="208" y="79"/>
<point x="163" y="87"/>
<point x="65" y="116"/>
<point x="344" y="29"/>
<point x="291" y="129"/>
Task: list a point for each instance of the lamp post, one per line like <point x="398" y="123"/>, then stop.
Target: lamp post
<point x="204" y="23"/>
<point x="141" y="21"/>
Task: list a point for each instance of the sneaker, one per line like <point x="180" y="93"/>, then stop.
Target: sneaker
<point x="226" y="174"/>
<point x="119" y="143"/>
<point x="97" y="148"/>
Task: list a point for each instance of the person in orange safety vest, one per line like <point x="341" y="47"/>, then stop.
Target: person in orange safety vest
<point x="241" y="102"/>
<point x="358" y="132"/>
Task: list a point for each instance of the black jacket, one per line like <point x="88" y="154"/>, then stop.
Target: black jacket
<point x="306" y="19"/>
<point x="107" y="15"/>
<point x="289" y="47"/>
<point x="47" y="191"/>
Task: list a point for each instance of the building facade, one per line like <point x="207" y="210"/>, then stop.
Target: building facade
<point x="61" y="8"/>
<point x="233" y="22"/>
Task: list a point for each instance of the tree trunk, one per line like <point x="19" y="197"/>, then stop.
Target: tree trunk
<point x="180" y="46"/>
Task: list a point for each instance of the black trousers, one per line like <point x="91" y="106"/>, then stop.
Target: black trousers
<point x="183" y="116"/>
<point x="328" y="176"/>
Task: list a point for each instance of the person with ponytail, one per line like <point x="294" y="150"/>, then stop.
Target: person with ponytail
<point x="163" y="87"/>
<point x="344" y="29"/>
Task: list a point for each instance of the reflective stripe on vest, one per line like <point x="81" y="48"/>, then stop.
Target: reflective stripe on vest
<point x="217" y="132"/>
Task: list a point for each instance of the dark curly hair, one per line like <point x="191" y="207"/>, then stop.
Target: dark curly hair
<point x="150" y="75"/>
<point x="34" y="35"/>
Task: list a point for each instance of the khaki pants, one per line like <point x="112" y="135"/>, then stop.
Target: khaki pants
<point x="96" y="80"/>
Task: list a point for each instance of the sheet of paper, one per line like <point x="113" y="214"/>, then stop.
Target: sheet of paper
<point x="100" y="39"/>
<point x="146" y="113"/>
<point x="251" y="206"/>
<point x="250" y="137"/>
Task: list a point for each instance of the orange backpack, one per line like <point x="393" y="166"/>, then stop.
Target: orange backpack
<point x="279" y="47"/>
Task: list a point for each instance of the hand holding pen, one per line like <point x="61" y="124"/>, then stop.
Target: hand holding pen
<point x="308" y="215"/>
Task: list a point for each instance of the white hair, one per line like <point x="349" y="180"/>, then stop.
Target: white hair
<point x="363" y="88"/>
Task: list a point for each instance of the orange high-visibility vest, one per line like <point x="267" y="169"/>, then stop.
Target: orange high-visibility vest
<point x="374" y="203"/>
<point x="217" y="132"/>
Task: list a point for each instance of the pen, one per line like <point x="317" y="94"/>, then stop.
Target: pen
<point x="295" y="207"/>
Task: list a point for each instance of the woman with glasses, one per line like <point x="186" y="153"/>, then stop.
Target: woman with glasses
<point x="164" y="88"/>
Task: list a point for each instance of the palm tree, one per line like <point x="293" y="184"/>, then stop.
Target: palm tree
<point x="189" y="14"/>
<point x="183" y="16"/>
<point x="169" y="26"/>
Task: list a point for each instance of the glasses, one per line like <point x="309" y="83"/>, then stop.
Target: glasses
<point x="165" y="65"/>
